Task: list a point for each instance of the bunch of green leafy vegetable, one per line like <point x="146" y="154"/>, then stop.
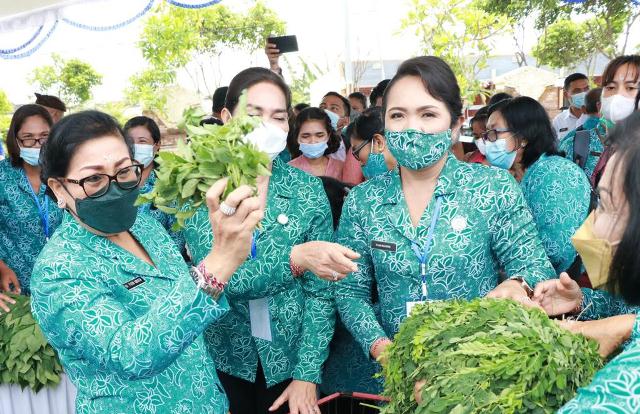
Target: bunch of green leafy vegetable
<point x="26" y="358"/>
<point x="215" y="151"/>
<point x="485" y="356"/>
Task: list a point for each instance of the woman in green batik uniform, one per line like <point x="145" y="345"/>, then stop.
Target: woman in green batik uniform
<point x="269" y="349"/>
<point x="436" y="228"/>
<point x="110" y="290"/>
<point x="520" y="138"/>
<point x="28" y="217"/>
<point x="608" y="244"/>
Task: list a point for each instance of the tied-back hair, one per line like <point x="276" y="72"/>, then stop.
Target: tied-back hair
<point x="253" y="76"/>
<point x="368" y="124"/>
<point x="624" y="273"/>
<point x="528" y="121"/>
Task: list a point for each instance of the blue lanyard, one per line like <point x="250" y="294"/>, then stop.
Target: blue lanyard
<point x="423" y="255"/>
<point x="43" y="211"/>
<point x="254" y="246"/>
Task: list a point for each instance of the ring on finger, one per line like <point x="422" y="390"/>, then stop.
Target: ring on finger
<point x="334" y="276"/>
<point x="227" y="210"/>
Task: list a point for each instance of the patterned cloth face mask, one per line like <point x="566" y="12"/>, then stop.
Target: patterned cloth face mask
<point x="415" y="149"/>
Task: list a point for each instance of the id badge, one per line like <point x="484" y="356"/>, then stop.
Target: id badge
<point x="260" y="319"/>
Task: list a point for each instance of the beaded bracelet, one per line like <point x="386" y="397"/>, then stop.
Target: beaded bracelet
<point x="377" y="343"/>
<point x="207" y="282"/>
<point x="296" y="270"/>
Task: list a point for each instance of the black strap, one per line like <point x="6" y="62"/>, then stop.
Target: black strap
<point x="581" y="149"/>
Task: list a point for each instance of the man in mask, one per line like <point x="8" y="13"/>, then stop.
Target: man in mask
<point x="576" y="87"/>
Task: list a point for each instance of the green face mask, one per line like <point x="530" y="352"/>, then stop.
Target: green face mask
<point x="415" y="149"/>
<point x="111" y="213"/>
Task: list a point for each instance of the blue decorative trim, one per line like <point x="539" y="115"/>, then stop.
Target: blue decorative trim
<point x="34" y="49"/>
<point x="192" y="6"/>
<point x="19" y="48"/>
<point x="111" y="27"/>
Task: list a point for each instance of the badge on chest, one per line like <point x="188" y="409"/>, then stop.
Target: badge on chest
<point x="133" y="283"/>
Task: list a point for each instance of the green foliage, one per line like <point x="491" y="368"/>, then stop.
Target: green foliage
<point x="302" y="79"/>
<point x="6" y="111"/>
<point x="72" y="80"/>
<point x="115" y="109"/>
<point x="485" y="356"/>
<point x="215" y="151"/>
<point x="175" y="37"/>
<point x="25" y="356"/>
<point x="459" y="32"/>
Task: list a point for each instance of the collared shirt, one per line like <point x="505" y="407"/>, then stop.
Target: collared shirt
<point x="22" y="229"/>
<point x="558" y="194"/>
<point x="301" y="310"/>
<point x="128" y="334"/>
<point x="484" y="226"/>
<point x="566" y="122"/>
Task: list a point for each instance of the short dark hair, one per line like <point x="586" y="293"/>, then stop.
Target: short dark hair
<point x="613" y="66"/>
<point x="368" y="124"/>
<point x="345" y="101"/>
<point x="218" y="99"/>
<point x="336" y="192"/>
<point x="378" y="91"/>
<point x="299" y="107"/>
<point x="65" y="137"/>
<point x="482" y="115"/>
<point x="24" y="112"/>
<point x="252" y="76"/>
<point x="51" y="102"/>
<point x="144" y="121"/>
<point x="359" y="96"/>
<point x="529" y="121"/>
<point x="314" y="114"/>
<point x="592" y="99"/>
<point x="624" y="273"/>
<point x="498" y="97"/>
<point x="572" y="78"/>
<point x="438" y="80"/>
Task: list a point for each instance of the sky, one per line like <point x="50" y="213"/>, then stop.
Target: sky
<point x="374" y="33"/>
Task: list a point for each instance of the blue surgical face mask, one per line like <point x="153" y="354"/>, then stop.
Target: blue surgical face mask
<point x="334" y="119"/>
<point x="497" y="154"/>
<point x="314" y="151"/>
<point x="577" y="100"/>
<point x="144" y="154"/>
<point x="374" y="166"/>
<point x="31" y="156"/>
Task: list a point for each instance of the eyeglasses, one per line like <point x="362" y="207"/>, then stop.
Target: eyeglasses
<point x="492" y="134"/>
<point x="356" y="151"/>
<point x="30" y="141"/>
<point x="97" y="185"/>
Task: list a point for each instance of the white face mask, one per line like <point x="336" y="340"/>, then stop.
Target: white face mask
<point x="481" y="146"/>
<point x="617" y="107"/>
<point x="268" y="138"/>
<point x="144" y="154"/>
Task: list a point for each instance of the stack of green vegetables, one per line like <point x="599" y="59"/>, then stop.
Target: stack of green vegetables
<point x="485" y="356"/>
<point x="184" y="176"/>
<point x="25" y="356"/>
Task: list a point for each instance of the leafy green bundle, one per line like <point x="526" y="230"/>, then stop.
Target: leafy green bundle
<point x="26" y="358"/>
<point x="215" y="152"/>
<point x="485" y="356"/>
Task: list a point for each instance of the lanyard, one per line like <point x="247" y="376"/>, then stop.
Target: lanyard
<point x="423" y="255"/>
<point x="43" y="211"/>
<point x="254" y="246"/>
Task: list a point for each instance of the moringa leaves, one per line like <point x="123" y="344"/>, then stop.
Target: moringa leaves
<point x="485" y="356"/>
<point x="215" y="151"/>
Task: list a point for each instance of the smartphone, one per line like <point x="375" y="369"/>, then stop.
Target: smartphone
<point x="285" y="44"/>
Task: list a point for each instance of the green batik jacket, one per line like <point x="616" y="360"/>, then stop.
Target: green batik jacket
<point x="167" y="220"/>
<point x="485" y="226"/>
<point x="596" y="130"/>
<point x="558" y="194"/>
<point x="615" y="389"/>
<point x="128" y="334"/>
<point x="301" y="310"/>
<point x="22" y="230"/>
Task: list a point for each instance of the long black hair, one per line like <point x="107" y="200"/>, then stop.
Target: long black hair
<point x="624" y="274"/>
<point x="313" y="114"/>
<point x="148" y="123"/>
<point x="21" y="115"/>
<point x="528" y="121"/>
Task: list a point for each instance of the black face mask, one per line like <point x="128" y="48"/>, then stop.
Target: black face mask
<point x="111" y="213"/>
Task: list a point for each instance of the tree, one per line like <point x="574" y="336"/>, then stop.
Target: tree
<point x="192" y="40"/>
<point x="6" y="110"/>
<point x="72" y="80"/>
<point x="460" y="33"/>
<point x="302" y="79"/>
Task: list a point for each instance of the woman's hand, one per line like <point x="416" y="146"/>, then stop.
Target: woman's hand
<point x="7" y="278"/>
<point x="417" y="390"/>
<point x="378" y="348"/>
<point x="232" y="234"/>
<point x="609" y="333"/>
<point x="4" y="302"/>
<point x="329" y="261"/>
<point x="273" y="54"/>
<point x="512" y="289"/>
<point x="558" y="296"/>
<point x="301" y="396"/>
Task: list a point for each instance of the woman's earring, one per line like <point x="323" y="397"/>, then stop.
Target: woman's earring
<point x="61" y="203"/>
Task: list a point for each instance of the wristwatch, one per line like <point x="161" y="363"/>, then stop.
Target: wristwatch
<point x="524" y="285"/>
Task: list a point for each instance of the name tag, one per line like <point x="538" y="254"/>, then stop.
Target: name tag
<point x="260" y="319"/>
<point x="564" y="129"/>
<point x="380" y="245"/>
<point x="133" y="283"/>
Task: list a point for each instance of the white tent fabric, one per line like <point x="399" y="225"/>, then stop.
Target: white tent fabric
<point x="17" y="15"/>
